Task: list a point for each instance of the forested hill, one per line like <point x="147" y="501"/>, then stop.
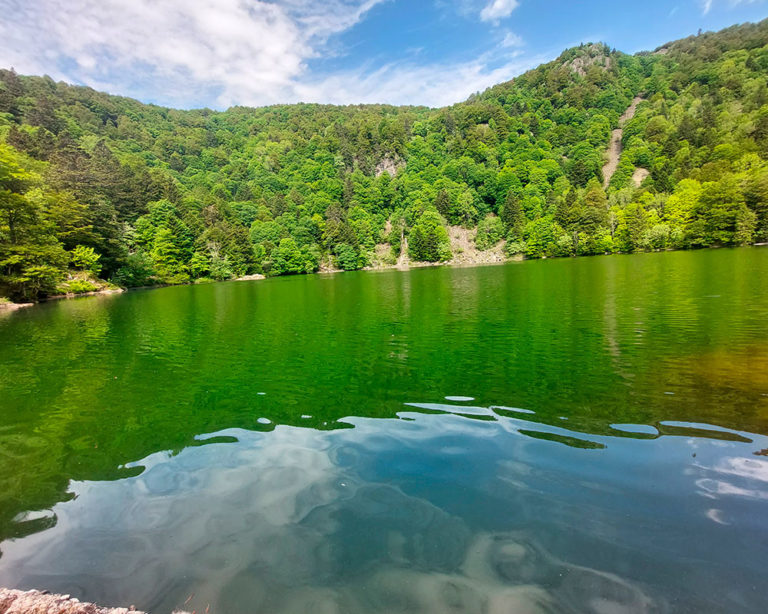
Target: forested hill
<point x="93" y="185"/>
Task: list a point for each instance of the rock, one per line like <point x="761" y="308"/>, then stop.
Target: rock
<point x="37" y="602"/>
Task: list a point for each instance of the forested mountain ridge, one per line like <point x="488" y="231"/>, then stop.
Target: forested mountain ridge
<point x="141" y="194"/>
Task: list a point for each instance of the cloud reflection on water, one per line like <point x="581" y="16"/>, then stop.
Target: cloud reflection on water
<point x="376" y="518"/>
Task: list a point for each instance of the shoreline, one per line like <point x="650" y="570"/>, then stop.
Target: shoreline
<point x="405" y="266"/>
<point x="10" y="306"/>
<point x="68" y="295"/>
<point x="14" y="601"/>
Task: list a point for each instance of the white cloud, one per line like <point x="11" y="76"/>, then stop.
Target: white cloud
<point x="433" y="85"/>
<point x="512" y="40"/>
<point x="224" y="52"/>
<point x="706" y="5"/>
<point x="498" y="9"/>
<point x="249" y="50"/>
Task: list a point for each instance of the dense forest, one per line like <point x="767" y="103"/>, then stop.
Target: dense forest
<point x="94" y="186"/>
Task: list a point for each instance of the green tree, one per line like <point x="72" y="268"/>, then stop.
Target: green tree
<point x="443" y="203"/>
<point x="428" y="240"/>
<point x="287" y="258"/>
<point x="166" y="258"/>
<point x="86" y="259"/>
<point x="512" y="215"/>
<point x="719" y="206"/>
<point x="32" y="261"/>
<point x="632" y="228"/>
<point x="138" y="270"/>
<point x="489" y="232"/>
<point x="346" y="257"/>
<point x="540" y="237"/>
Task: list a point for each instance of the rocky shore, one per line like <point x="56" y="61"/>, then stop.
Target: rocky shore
<point x="37" y="602"/>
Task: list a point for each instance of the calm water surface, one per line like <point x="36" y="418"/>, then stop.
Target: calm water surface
<point x="584" y="435"/>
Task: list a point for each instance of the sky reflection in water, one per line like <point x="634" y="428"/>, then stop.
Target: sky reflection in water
<point x="432" y="512"/>
<point x="580" y="435"/>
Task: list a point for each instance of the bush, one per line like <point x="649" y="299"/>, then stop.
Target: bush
<point x="220" y="268"/>
<point x="389" y="258"/>
<point x="489" y="232"/>
<point x="539" y="237"/>
<point x="86" y="259"/>
<point x="80" y="286"/>
<point x="287" y="259"/>
<point x="563" y="246"/>
<point x="137" y="271"/>
<point x="515" y="248"/>
<point x="657" y="237"/>
<point x="346" y="257"/>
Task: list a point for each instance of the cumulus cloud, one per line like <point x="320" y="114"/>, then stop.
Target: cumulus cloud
<point x="248" y="50"/>
<point x="224" y="52"/>
<point x="498" y="9"/>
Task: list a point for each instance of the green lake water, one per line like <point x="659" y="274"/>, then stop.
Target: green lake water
<point x="585" y="435"/>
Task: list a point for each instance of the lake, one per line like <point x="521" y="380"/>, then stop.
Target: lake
<point x="583" y="435"/>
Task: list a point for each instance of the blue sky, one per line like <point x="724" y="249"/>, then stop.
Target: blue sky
<point x="217" y="53"/>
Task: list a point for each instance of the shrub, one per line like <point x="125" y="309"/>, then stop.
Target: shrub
<point x="80" y="286"/>
<point x="346" y="257"/>
<point x="489" y="232"/>
<point x="515" y="248"/>
<point x="220" y="268"/>
<point x="656" y="237"/>
<point x="137" y="271"/>
<point x="86" y="259"/>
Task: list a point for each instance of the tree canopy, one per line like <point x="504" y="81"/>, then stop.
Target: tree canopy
<point x="142" y="194"/>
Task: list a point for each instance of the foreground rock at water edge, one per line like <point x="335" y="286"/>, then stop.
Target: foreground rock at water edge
<point x="36" y="602"/>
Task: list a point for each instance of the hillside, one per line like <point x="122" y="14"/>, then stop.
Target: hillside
<point x="139" y="194"/>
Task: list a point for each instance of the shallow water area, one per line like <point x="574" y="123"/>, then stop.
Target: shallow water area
<point x="494" y="439"/>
